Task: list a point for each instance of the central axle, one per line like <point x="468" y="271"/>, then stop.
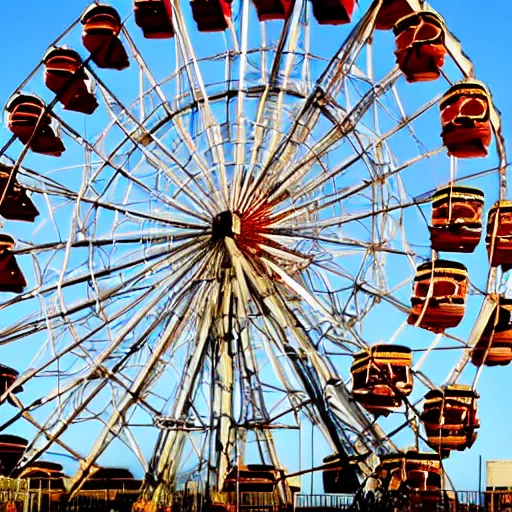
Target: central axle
<point x="225" y="224"/>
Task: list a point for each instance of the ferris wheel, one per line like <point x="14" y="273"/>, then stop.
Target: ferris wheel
<point x="257" y="247"/>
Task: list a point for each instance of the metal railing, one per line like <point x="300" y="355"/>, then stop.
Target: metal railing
<point x="13" y="495"/>
<point x="470" y="498"/>
<point x="335" y="501"/>
<point x="17" y="496"/>
<point x="246" y="499"/>
<point x="45" y="500"/>
<point x="430" y="501"/>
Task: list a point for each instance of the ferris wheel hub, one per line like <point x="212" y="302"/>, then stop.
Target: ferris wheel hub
<point x="225" y="224"/>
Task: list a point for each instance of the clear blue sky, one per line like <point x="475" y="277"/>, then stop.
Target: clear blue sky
<point x="483" y="27"/>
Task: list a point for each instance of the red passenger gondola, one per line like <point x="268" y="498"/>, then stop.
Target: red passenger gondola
<point x="381" y="377"/>
<point x="102" y="25"/>
<point x="339" y="476"/>
<point x="456" y="219"/>
<point x="45" y="475"/>
<point x="7" y="378"/>
<point x="273" y="9"/>
<point x="333" y="12"/>
<point x="65" y="77"/>
<point x="12" y="449"/>
<point x="439" y="296"/>
<point x="111" y="478"/>
<point x="495" y="345"/>
<point x="154" y="17"/>
<point x="27" y="112"/>
<point x="16" y="204"/>
<point x="450" y="418"/>
<point x="252" y="478"/>
<point x="418" y="471"/>
<point x="420" y="46"/>
<point x="390" y="12"/>
<point x="211" y="15"/>
<point x="11" y="277"/>
<point x="465" y="120"/>
<point x="499" y="235"/>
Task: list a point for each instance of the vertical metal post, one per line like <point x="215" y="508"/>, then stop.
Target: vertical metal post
<point x="312" y="455"/>
<point x="480" y="480"/>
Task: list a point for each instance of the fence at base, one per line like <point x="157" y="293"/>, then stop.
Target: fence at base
<point x="18" y="496"/>
<point x="13" y="495"/>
